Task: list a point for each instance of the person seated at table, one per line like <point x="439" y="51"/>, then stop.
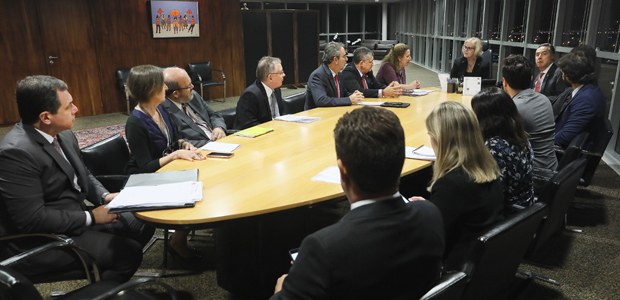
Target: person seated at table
<point x="357" y="76"/>
<point x="324" y="87"/>
<point x="465" y="185"/>
<point x="393" y="67"/>
<point x="43" y="185"/>
<point x="505" y="136"/>
<point x="548" y="78"/>
<point x="262" y="100"/>
<point x="470" y="64"/>
<point x="195" y="121"/>
<point x="152" y="138"/>
<point x="385" y="247"/>
<point x="584" y="108"/>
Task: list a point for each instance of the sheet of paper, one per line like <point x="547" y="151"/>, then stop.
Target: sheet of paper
<point x="330" y="174"/>
<point x="368" y="103"/>
<point x="159" y="195"/>
<point x="417" y="92"/>
<point x="219" y="147"/>
<point x="421" y="153"/>
<point x="298" y="119"/>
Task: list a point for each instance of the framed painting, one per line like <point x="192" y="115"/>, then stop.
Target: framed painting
<point x="174" y="19"/>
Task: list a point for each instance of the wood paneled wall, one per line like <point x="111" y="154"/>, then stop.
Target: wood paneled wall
<point x="122" y="38"/>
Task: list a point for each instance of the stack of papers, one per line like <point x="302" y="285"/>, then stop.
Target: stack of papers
<point x="161" y="190"/>
<point x="368" y="103"/>
<point x="421" y="153"/>
<point x="253" y="131"/>
<point x="416" y="92"/>
<point x="219" y="147"/>
<point x="298" y="119"/>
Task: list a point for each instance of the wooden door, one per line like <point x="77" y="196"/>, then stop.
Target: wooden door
<point x="69" y="49"/>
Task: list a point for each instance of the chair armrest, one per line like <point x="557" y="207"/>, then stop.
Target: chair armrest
<point x="231" y="131"/>
<point x="91" y="269"/>
<point x="221" y="73"/>
<point x="134" y="284"/>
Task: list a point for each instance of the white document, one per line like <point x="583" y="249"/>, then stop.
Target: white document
<point x="368" y="103"/>
<point x="471" y="85"/>
<point x="421" y="153"/>
<point x="298" y="119"/>
<point x="443" y="81"/>
<point x="220" y="147"/>
<point x="171" y="194"/>
<point x="330" y="175"/>
<point x="417" y="92"/>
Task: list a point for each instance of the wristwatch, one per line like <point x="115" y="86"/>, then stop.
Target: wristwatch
<point x="104" y="195"/>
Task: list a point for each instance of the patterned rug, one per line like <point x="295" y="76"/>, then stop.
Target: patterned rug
<point x="90" y="136"/>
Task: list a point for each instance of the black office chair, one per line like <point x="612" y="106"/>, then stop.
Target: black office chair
<point x="450" y="287"/>
<point x="499" y="252"/>
<point x="202" y="76"/>
<point x="106" y="160"/>
<point x="557" y="194"/>
<point x="572" y="151"/>
<point x="294" y="103"/>
<point x="487" y="59"/>
<point x="229" y="115"/>
<point x="595" y="152"/>
<point x="121" y="81"/>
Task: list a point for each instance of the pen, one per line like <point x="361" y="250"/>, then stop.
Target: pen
<point x="418" y="148"/>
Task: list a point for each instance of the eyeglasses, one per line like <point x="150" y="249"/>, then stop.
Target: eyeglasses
<point x="189" y="87"/>
<point x="279" y="73"/>
<point x="468" y="48"/>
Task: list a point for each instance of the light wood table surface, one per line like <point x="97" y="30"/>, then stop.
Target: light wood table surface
<point x="273" y="172"/>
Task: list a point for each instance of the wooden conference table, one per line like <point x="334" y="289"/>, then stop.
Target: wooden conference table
<point x="273" y="172"/>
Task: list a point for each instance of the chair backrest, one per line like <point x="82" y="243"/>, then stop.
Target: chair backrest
<point x="294" y="103"/>
<point x="487" y="58"/>
<point x="557" y="194"/>
<point x="200" y="71"/>
<point x="229" y="115"/>
<point x="499" y="252"/>
<point x="15" y="286"/>
<point x="596" y="151"/>
<point x="450" y="287"/>
<point x="573" y="150"/>
<point x="106" y="157"/>
<point x="121" y="80"/>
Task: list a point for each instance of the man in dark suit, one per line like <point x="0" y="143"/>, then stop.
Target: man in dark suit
<point x="357" y="76"/>
<point x="386" y="247"/>
<point x="548" y="78"/>
<point x="193" y="118"/>
<point x="43" y="184"/>
<point x="262" y="100"/>
<point x="324" y="87"/>
<point x="584" y="108"/>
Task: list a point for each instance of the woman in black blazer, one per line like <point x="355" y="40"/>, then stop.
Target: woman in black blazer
<point x="471" y="64"/>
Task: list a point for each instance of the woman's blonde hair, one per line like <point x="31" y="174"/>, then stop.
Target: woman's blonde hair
<point x="477" y="45"/>
<point x="395" y="53"/>
<point x="459" y="143"/>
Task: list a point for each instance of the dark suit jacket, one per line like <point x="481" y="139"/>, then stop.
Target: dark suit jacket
<point x="383" y="250"/>
<point x="585" y="112"/>
<point x="36" y="190"/>
<point x="186" y="127"/>
<point x="253" y="106"/>
<point x="459" y="68"/>
<point x="351" y="80"/>
<point x="552" y="85"/>
<point x="322" y="89"/>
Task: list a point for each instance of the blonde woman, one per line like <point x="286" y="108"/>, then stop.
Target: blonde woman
<point x="471" y="64"/>
<point x="393" y="67"/>
<point x="465" y="185"/>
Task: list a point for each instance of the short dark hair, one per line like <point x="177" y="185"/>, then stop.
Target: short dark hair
<point x="517" y="71"/>
<point x="360" y="54"/>
<point x="144" y="81"/>
<point x="547" y="45"/>
<point x="370" y="142"/>
<point x="36" y="94"/>
<point x="498" y="116"/>
<point x="578" y="67"/>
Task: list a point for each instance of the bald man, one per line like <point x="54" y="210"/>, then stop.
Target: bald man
<point x="190" y="114"/>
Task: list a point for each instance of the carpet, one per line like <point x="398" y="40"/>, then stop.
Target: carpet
<point x="92" y="135"/>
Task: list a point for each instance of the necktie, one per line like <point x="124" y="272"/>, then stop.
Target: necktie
<point x="337" y="86"/>
<point x="56" y="146"/>
<point x="567" y="101"/>
<point x="539" y="82"/>
<point x="197" y="119"/>
<point x="273" y="105"/>
<point x="364" y="82"/>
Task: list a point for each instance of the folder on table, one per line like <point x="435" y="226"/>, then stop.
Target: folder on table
<point x="253" y="132"/>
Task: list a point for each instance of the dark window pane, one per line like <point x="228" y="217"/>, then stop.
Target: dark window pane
<point x="296" y="5"/>
<point x="355" y="18"/>
<point x="251" y="5"/>
<point x="336" y="18"/>
<point x="464" y="12"/>
<point x="478" y="22"/>
<point x="608" y="33"/>
<point x="516" y="20"/>
<point x="544" y="21"/>
<point x="273" y="5"/>
<point x="495" y="19"/>
<point x="322" y="8"/>
<point x="575" y="22"/>
<point x="450" y="8"/>
<point x="373" y="13"/>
